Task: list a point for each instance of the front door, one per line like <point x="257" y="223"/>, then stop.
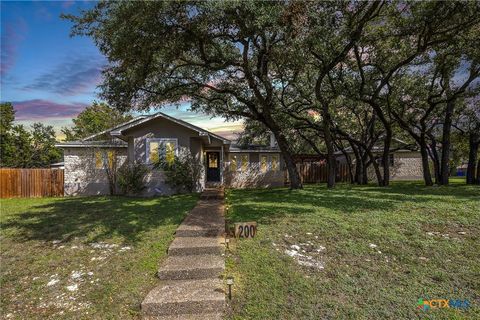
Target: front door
<point x="213" y="166"/>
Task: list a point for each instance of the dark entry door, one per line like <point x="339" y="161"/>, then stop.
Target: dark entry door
<point x="213" y="166"/>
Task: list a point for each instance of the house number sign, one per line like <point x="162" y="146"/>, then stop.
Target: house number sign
<point x="245" y="229"/>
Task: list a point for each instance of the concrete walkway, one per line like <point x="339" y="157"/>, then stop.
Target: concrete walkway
<point x="191" y="286"/>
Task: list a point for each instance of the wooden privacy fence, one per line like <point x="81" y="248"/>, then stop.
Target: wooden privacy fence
<point x="29" y="183"/>
<point x="316" y="172"/>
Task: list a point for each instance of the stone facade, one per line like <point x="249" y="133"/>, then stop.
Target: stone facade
<point x="406" y="166"/>
<point x="254" y="178"/>
<point x="81" y="175"/>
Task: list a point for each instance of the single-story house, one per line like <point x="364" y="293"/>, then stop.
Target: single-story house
<point x="144" y="138"/>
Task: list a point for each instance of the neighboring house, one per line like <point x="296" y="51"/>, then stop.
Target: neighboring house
<point x="404" y="164"/>
<point x="144" y="138"/>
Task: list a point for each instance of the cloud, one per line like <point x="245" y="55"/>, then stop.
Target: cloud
<point x="13" y="34"/>
<point x="74" y="76"/>
<point x="67" y="4"/>
<point x="43" y="14"/>
<point x="38" y="109"/>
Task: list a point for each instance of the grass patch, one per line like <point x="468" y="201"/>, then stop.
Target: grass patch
<point x="83" y="257"/>
<point x="381" y="250"/>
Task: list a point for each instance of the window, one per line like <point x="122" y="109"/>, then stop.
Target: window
<point x="244" y="158"/>
<point x="98" y="160"/>
<point x="233" y="162"/>
<point x="263" y="163"/>
<point x="153" y="151"/>
<point x="239" y="162"/>
<point x="275" y="162"/>
<point x="111" y="158"/>
<point x="166" y="148"/>
<point x="212" y="160"/>
<point x="269" y="162"/>
<point x="102" y="157"/>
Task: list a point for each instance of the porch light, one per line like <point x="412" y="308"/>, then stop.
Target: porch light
<point x="229" y="283"/>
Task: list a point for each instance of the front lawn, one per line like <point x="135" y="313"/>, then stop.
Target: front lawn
<point x="356" y="252"/>
<point x="83" y="258"/>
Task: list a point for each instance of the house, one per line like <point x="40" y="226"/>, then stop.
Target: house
<point x="404" y="161"/>
<point x="144" y="138"/>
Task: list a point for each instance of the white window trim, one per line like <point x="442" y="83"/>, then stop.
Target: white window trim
<point x="159" y="140"/>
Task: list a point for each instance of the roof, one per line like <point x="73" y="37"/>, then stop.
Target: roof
<point x="118" y="130"/>
<point x="92" y="144"/>
<point x="253" y="148"/>
<point x="403" y="147"/>
<point x="111" y="129"/>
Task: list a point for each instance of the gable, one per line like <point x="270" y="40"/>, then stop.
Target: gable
<point x="162" y="125"/>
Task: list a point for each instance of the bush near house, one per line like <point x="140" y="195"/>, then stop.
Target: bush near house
<point x="356" y="252"/>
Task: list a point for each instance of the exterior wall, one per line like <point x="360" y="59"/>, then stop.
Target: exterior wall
<point x="161" y="128"/>
<point x="406" y="166"/>
<point x="253" y="177"/>
<point x="81" y="176"/>
<point x="157" y="128"/>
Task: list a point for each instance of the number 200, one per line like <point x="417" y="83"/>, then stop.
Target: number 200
<point x="246" y="231"/>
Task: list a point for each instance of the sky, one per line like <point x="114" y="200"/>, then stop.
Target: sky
<point x="50" y="77"/>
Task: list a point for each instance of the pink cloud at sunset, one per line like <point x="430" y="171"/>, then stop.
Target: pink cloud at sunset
<point x="38" y="109"/>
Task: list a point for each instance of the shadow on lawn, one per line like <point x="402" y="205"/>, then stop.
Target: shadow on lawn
<point x="263" y="204"/>
<point x="99" y="218"/>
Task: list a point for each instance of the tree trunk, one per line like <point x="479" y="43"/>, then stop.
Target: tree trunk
<point x="473" y="143"/>
<point x="365" y="165"/>
<point x="447" y="128"/>
<point x="358" y="164"/>
<point x="376" y="167"/>
<point x="435" y="158"/>
<point x="294" y="177"/>
<point x="350" y="166"/>
<point x="331" y="161"/>
<point x="386" y="156"/>
<point x="427" y="176"/>
<point x="478" y="172"/>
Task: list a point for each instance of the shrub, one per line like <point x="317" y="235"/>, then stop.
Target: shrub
<point x="183" y="173"/>
<point x="131" y="178"/>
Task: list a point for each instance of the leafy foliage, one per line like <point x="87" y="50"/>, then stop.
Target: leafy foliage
<point x="131" y="178"/>
<point x="284" y="64"/>
<point x="94" y="119"/>
<point x="183" y="173"/>
<point x="22" y="148"/>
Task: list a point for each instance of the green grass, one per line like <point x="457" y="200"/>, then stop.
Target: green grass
<point x="358" y="281"/>
<point x="115" y="244"/>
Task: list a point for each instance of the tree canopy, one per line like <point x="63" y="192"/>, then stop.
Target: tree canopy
<point x="94" y="119"/>
<point x="22" y="148"/>
<point x="330" y="73"/>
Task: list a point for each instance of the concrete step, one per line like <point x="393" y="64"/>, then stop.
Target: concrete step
<point x="201" y="316"/>
<point x="199" y="232"/>
<point x="213" y="194"/>
<point x="185" y="297"/>
<point x="183" y="246"/>
<point x="205" y="220"/>
<point x="192" y="267"/>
